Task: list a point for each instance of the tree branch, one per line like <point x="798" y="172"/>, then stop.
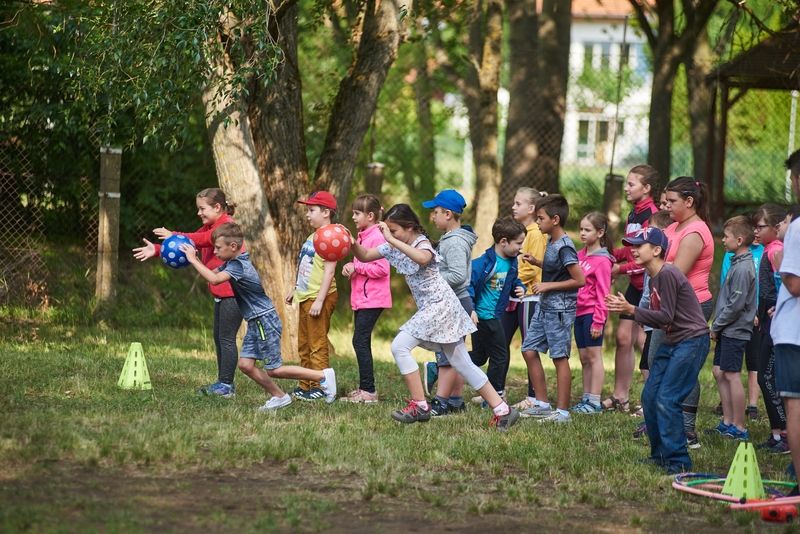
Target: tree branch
<point x="641" y="17"/>
<point x="742" y="6"/>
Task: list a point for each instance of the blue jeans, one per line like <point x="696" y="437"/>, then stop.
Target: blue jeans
<point x="673" y="374"/>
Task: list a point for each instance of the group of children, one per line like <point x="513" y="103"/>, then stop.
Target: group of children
<point x="532" y="279"/>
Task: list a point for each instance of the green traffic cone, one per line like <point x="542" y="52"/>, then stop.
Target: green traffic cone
<point x="744" y="477"/>
<point x="134" y="373"/>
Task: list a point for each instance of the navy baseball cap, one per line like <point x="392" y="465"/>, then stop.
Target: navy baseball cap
<point x="449" y="199"/>
<point x="651" y="235"/>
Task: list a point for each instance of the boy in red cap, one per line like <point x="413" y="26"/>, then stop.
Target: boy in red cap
<point x="315" y="291"/>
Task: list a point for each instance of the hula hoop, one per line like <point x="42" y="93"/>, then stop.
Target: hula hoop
<point x="701" y="483"/>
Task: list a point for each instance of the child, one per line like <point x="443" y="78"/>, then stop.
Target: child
<point x="494" y="278"/>
<point x="369" y="294"/>
<point x="766" y="220"/>
<point x="213" y="210"/>
<point x="262" y="341"/>
<point x="673" y="373"/>
<point x="591" y="314"/>
<point x="440" y="322"/>
<point x="455" y="250"/>
<point x="520" y="311"/>
<point x="639" y="189"/>
<point x="315" y="290"/>
<point x="551" y="325"/>
<point x="754" y="345"/>
<point x="732" y="326"/>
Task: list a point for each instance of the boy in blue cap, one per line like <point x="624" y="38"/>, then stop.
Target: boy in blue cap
<point x="455" y="249"/>
<point x="675" y="309"/>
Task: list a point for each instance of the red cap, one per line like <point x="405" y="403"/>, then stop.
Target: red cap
<point x="320" y="198"/>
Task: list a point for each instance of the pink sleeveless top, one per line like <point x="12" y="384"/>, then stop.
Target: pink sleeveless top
<point x="700" y="271"/>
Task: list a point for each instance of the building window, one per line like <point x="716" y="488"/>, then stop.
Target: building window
<point x="594" y="139"/>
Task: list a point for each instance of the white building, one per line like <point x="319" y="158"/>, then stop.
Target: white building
<point x="596" y="50"/>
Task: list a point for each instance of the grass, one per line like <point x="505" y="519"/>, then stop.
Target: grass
<point x="61" y="407"/>
<point x="77" y="453"/>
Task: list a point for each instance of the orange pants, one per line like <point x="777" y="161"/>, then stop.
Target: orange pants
<point x="312" y="337"/>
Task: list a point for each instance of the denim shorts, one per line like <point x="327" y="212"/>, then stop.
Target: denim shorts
<point x="787" y="370"/>
<point x="551" y="332"/>
<point x="583" y="332"/>
<point x="441" y="359"/>
<point x="263" y="340"/>
<point x="729" y="354"/>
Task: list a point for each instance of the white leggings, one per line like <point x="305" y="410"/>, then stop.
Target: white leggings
<point x="456" y="353"/>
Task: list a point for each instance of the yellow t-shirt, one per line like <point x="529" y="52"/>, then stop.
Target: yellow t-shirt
<point x="310" y="269"/>
<point x="535" y="243"/>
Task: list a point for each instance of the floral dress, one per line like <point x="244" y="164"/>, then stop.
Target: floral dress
<point x="440" y="318"/>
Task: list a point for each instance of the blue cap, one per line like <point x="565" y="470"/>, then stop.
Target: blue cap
<point x="651" y="235"/>
<point x="449" y="199"/>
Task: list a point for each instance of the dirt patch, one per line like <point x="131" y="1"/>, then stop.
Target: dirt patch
<point x="288" y="497"/>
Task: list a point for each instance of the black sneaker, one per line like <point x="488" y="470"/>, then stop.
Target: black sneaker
<point x="692" y="441"/>
<point x="503" y="422"/>
<point x="751" y="412"/>
<point x="313" y="394"/>
<point x="439" y="408"/>
<point x="454" y="409"/>
<point x="640" y="432"/>
<point x="771" y="442"/>
<point x="412" y="413"/>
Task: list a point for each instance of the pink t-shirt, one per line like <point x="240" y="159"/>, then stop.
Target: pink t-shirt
<point x="700" y="271"/>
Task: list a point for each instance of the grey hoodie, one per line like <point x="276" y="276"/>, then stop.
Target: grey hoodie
<point x="455" y="248"/>
<point x="736" y="309"/>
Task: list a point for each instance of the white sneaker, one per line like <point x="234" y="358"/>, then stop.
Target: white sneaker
<point x="556" y="417"/>
<point x="329" y="385"/>
<point x="274" y="403"/>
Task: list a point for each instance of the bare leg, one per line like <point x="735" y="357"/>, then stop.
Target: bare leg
<point x="563" y="382"/>
<point x="446" y="380"/>
<point x="752" y="388"/>
<point x="296" y="372"/>
<point x="414" y="385"/>
<point x="623" y="359"/>
<point x="793" y="427"/>
<point x="536" y="374"/>
<point x="598" y="374"/>
<point x="736" y="396"/>
<point x="248" y="367"/>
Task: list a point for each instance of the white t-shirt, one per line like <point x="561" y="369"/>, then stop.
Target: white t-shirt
<point x="787" y="310"/>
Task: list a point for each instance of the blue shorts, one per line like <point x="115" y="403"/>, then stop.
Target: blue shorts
<point x="263" y="340"/>
<point x="729" y="354"/>
<point x="787" y="370"/>
<point x="551" y="332"/>
<point x="466" y="303"/>
<point x="583" y="332"/>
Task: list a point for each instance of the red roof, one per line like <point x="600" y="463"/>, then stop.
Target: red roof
<point x="601" y="9"/>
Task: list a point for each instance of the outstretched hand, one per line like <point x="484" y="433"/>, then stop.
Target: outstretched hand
<point x="146" y="252"/>
<point x="162" y="233"/>
<point x="189" y="250"/>
<point x="618" y="304"/>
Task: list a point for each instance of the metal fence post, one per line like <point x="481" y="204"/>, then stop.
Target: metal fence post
<point x="108" y="225"/>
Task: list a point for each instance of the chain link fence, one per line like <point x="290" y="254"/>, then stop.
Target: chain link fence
<point x="418" y="143"/>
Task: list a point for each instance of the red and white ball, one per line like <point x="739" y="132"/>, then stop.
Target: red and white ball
<point x="332" y="242"/>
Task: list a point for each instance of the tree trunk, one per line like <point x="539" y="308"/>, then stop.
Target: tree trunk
<point x="426" y="169"/>
<point x="358" y="96"/>
<point x="550" y="106"/>
<point x="698" y="67"/>
<point x="521" y="149"/>
<point x="265" y="208"/>
<point x="482" y="84"/>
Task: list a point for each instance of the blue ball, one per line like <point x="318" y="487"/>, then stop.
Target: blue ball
<point x="171" y="254"/>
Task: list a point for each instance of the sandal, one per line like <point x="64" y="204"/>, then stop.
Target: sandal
<point x="613" y="403"/>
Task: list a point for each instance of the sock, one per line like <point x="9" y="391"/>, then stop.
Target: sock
<point x="456" y="401"/>
<point x="501" y="409"/>
<point x="541" y="404"/>
<point x="776" y="437"/>
<point x="593" y="399"/>
<point x="563" y="413"/>
<point x="422" y="404"/>
<point x="689" y="420"/>
<point x="533" y="400"/>
<point x="442" y="400"/>
<point x="585" y="397"/>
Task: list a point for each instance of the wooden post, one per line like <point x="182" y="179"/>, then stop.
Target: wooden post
<point x="373" y="181"/>
<point x="612" y="200"/>
<point x="108" y="226"/>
